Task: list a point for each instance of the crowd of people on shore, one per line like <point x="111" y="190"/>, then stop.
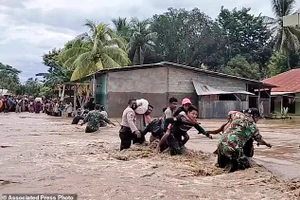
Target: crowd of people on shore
<point x="18" y="104"/>
<point x="171" y="129"/>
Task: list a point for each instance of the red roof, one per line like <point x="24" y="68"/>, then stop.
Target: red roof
<point x="287" y="82"/>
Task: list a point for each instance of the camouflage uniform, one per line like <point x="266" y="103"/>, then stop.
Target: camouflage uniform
<point x="94" y="118"/>
<point x="230" y="148"/>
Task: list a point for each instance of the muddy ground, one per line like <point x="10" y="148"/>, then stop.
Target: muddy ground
<point x="42" y="154"/>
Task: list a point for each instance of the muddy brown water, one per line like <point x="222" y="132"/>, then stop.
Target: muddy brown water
<point x="42" y="154"/>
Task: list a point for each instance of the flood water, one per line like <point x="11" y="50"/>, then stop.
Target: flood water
<point x="282" y="159"/>
<point x="43" y="154"/>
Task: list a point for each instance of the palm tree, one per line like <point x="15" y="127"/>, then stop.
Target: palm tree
<point x="98" y="49"/>
<point x="122" y="27"/>
<point x="57" y="74"/>
<point x="287" y="38"/>
<point x="142" y="40"/>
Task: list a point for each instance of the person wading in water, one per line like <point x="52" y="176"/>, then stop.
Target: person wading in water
<point x="129" y="132"/>
<point x="94" y="119"/>
<point x="156" y="127"/>
<point x="90" y="104"/>
<point x="185" y="104"/>
<point x="170" y="110"/>
<point x="243" y="128"/>
<point x="178" y="128"/>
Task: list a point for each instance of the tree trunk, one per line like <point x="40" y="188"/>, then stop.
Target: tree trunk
<point x="75" y="97"/>
<point x="59" y="91"/>
<point x="288" y="60"/>
<point x="94" y="86"/>
<point x="63" y="92"/>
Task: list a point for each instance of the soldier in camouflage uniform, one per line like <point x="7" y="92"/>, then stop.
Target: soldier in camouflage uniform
<point x="231" y="146"/>
<point x="95" y="119"/>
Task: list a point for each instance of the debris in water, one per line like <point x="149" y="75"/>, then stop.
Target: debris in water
<point x="34" y="134"/>
<point x="4" y="146"/>
<point x="148" y="174"/>
<point x="6" y="182"/>
<point x="154" y="166"/>
<point x="194" y="161"/>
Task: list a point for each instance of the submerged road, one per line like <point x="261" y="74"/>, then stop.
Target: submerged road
<point x="43" y="154"/>
<point x="282" y="159"/>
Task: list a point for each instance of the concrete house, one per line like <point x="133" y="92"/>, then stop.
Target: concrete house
<point x="287" y="94"/>
<point x="213" y="93"/>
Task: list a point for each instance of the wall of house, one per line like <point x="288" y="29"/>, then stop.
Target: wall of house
<point x="181" y="85"/>
<point x="297" y="104"/>
<point x="101" y="90"/>
<point x="148" y="83"/>
<point x="220" y="109"/>
<point x="157" y="85"/>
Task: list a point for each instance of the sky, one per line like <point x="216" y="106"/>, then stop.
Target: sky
<point x="30" y="28"/>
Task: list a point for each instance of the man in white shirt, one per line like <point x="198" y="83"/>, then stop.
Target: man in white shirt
<point x="169" y="112"/>
<point x="129" y="132"/>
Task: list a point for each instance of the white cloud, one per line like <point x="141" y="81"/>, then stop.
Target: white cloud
<point x="30" y="28"/>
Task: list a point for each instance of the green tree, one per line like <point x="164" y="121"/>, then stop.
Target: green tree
<point x="122" y="28"/>
<point x="46" y="91"/>
<point x="287" y="39"/>
<point x="100" y="48"/>
<point x="182" y="36"/>
<point x="239" y="66"/>
<point x="32" y="87"/>
<point x="278" y="64"/>
<point x="57" y="74"/>
<point x="142" y="40"/>
<point x="9" y="78"/>
<point x="176" y="30"/>
<point x="246" y="35"/>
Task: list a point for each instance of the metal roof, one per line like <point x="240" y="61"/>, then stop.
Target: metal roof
<point x="287" y="82"/>
<point x="164" y="64"/>
<point x="204" y="89"/>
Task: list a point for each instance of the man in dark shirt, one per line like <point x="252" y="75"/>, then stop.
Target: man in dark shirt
<point x="91" y="105"/>
<point x="178" y="128"/>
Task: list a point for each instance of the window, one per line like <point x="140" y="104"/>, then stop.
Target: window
<point x="227" y="97"/>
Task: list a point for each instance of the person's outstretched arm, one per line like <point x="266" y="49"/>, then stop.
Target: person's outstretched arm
<point x="164" y="138"/>
<point x="86" y="119"/>
<point x="201" y="130"/>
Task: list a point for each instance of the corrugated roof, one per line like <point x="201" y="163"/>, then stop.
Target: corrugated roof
<point x="162" y="64"/>
<point x="204" y="89"/>
<point x="287" y="82"/>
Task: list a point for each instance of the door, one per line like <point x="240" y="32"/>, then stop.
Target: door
<point x="253" y="102"/>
